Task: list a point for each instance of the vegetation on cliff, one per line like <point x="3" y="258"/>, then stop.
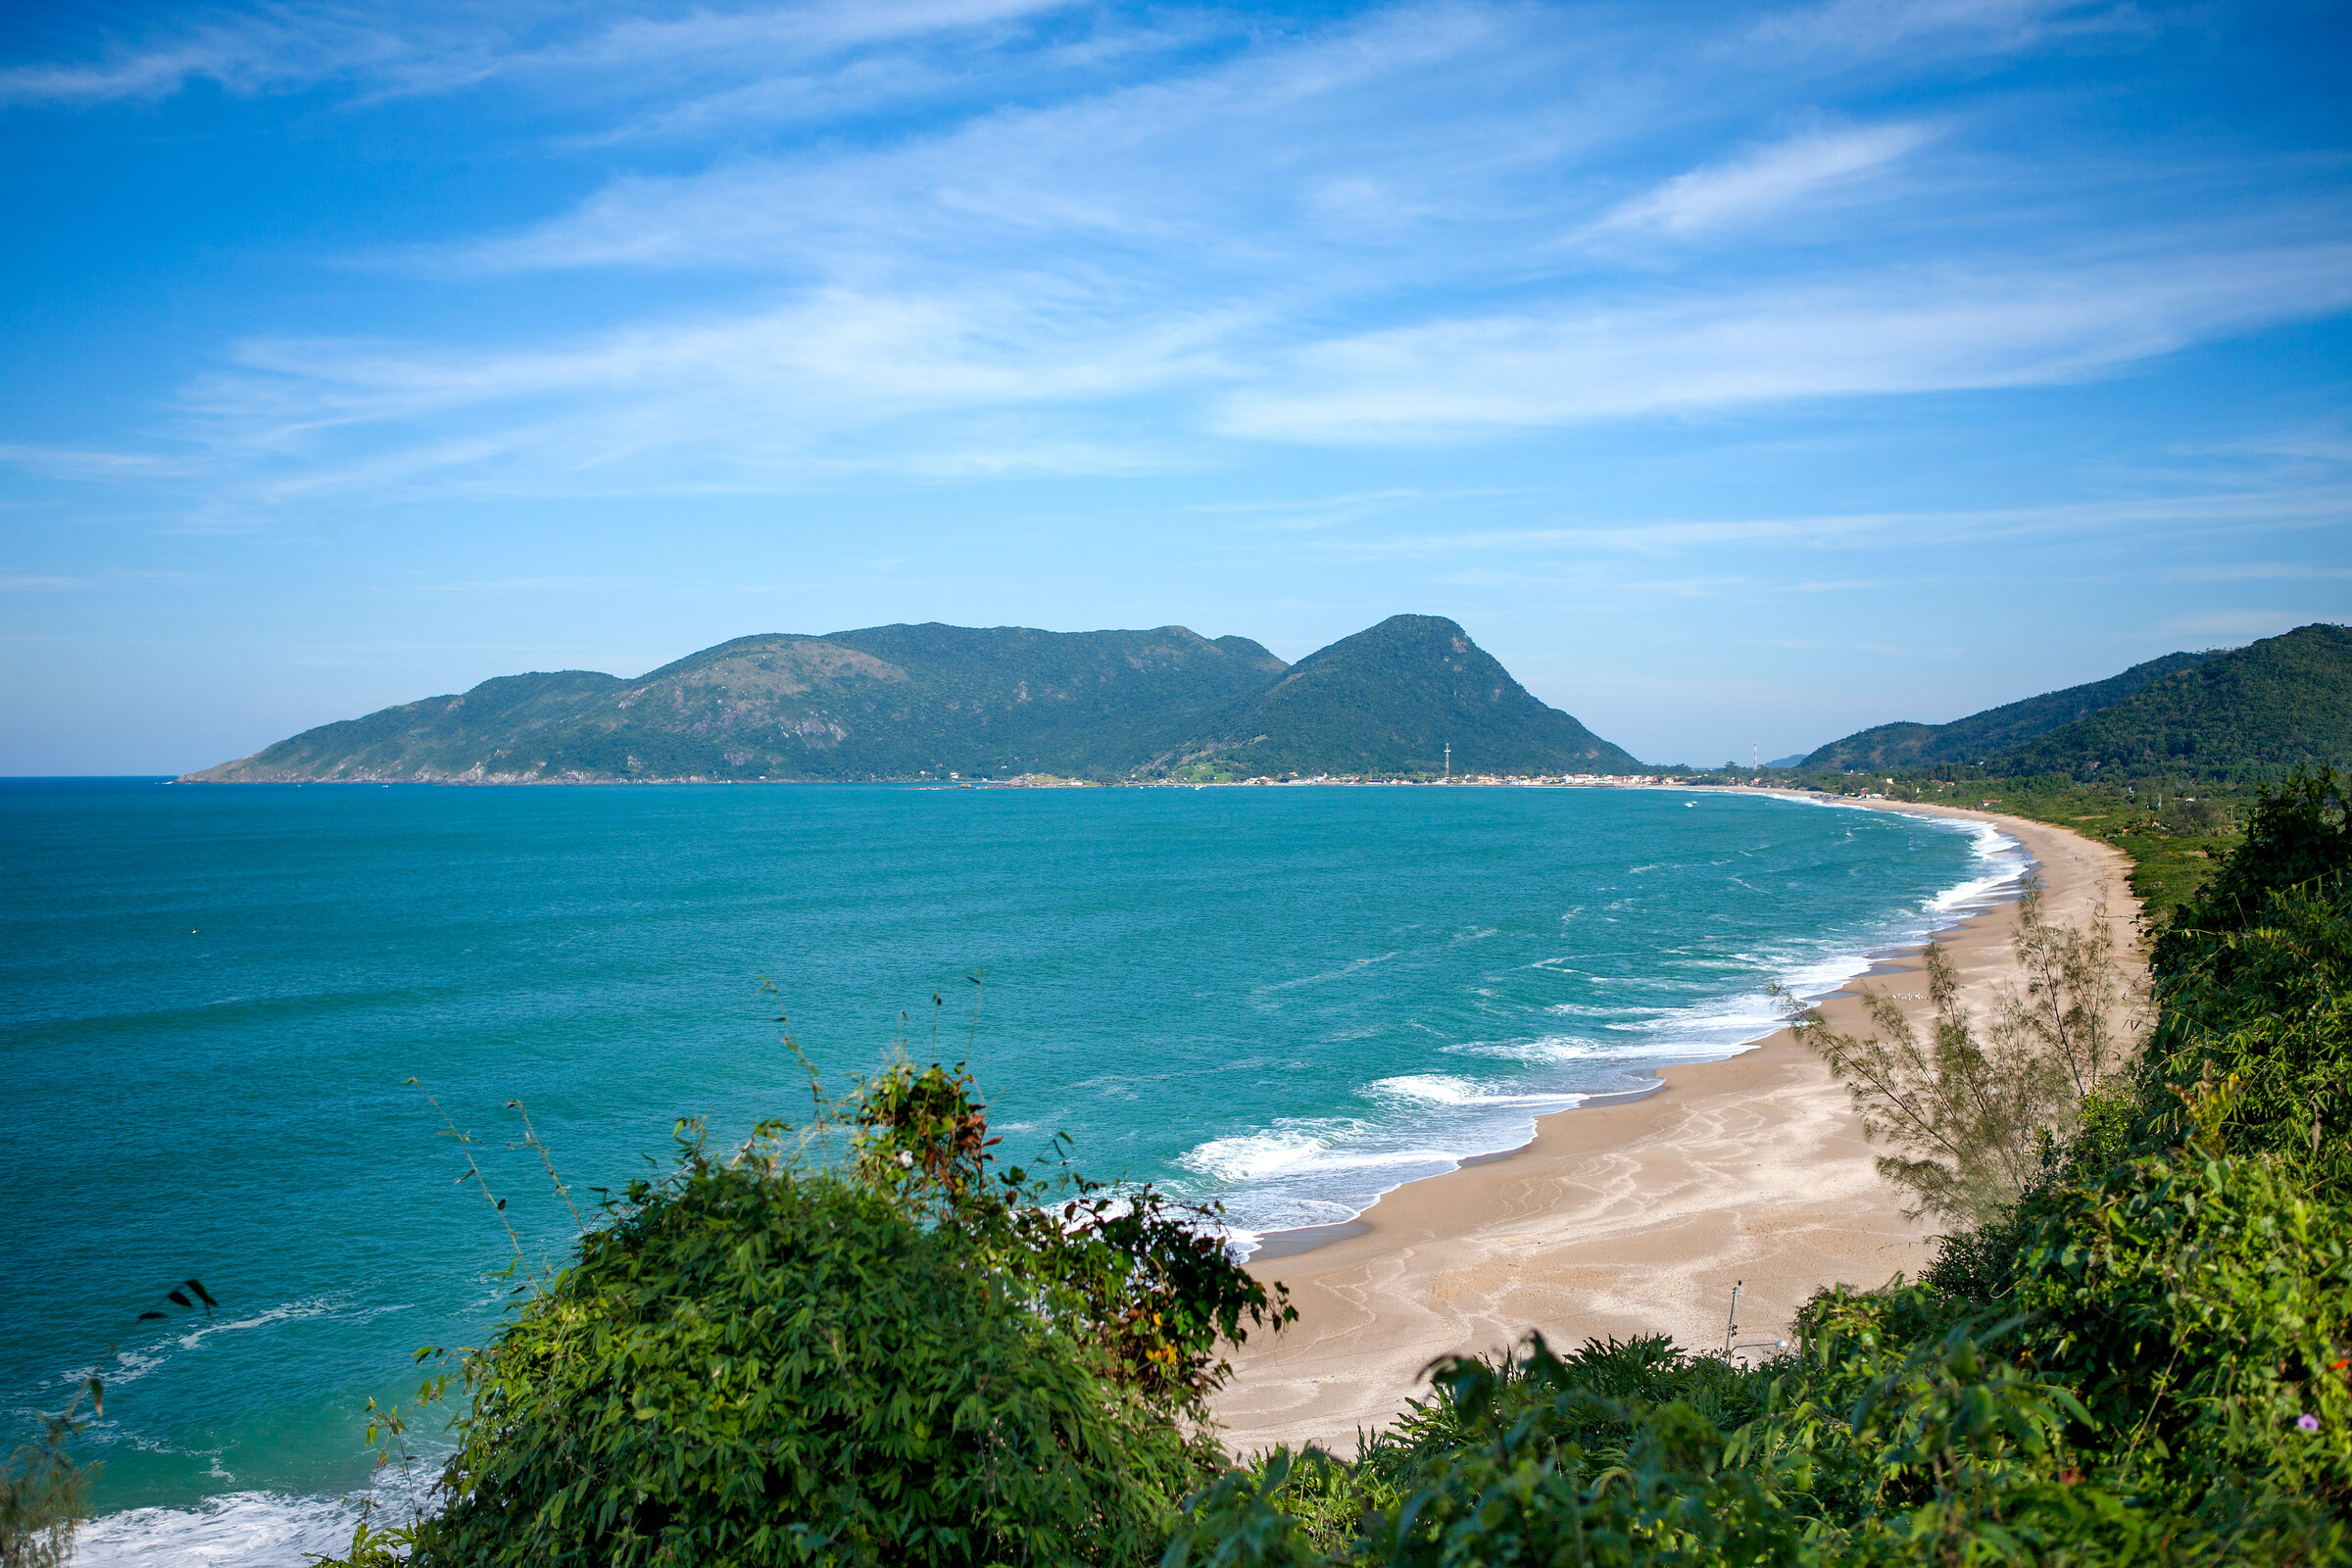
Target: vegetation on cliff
<point x="865" y="1342"/>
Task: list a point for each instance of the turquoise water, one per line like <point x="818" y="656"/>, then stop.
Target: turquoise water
<point x="1290" y="998"/>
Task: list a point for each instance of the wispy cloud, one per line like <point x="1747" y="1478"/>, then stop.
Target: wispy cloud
<point x="382" y="49"/>
<point x="1762" y="182"/>
<point x="2150" y="519"/>
<point x="1338" y="233"/>
<point x="1863" y="27"/>
<point x="272" y="49"/>
<point x="1904" y="334"/>
<point x="91" y="463"/>
<point x="2261" y="572"/>
<point x="743" y="402"/>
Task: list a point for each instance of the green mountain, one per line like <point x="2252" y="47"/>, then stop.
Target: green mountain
<point x="1894" y="747"/>
<point x="2284" y="702"/>
<point x="902" y="702"/>
<point x="1391" y="700"/>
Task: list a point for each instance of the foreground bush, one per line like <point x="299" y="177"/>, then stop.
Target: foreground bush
<point x="903" y="1356"/>
<point x="756" y="1367"/>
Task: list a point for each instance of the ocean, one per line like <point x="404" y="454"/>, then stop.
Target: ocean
<point x="1287" y="1000"/>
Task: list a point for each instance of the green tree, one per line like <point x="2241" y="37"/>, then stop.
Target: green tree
<point x="904" y="1354"/>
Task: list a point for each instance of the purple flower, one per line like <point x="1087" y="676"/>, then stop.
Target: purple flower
<point x="2308" y="1423"/>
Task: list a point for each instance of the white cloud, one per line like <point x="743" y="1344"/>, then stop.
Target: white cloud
<point x="1337" y="234"/>
<point x="269" y="50"/>
<point x="1763" y="182"/>
<point x="1864" y="336"/>
<point x="411" y="48"/>
<point x="2230" y="515"/>
<point x="791" y="31"/>
<point x="75" y="462"/>
<point x="996" y="380"/>
<point x="1303" y="145"/>
<point x="735" y="402"/>
<point x="1863" y="27"/>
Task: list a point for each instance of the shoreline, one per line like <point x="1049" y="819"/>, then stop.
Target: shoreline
<point x="1296" y="1240"/>
<point x="1632" y="1217"/>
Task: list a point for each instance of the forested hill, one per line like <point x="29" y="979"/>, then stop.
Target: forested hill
<point x="1391" y="700"/>
<point x="1899" y="746"/>
<point x="908" y="702"/>
<point x="2285" y="702"/>
<point x="2281" y="703"/>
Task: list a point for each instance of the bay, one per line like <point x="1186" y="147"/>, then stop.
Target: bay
<point x="212" y="1000"/>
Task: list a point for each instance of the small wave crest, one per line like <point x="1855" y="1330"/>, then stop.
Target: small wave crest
<point x="2003" y="863"/>
<point x="1442" y="1089"/>
<point x="245" y="1528"/>
<point x="1254" y="1154"/>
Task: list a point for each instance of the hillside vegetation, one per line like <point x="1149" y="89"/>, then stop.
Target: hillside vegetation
<point x="1391" y="700"/>
<point x="1907" y="745"/>
<point x="2281" y="703"/>
<point x="925" y="702"/>
<point x="2248" y="714"/>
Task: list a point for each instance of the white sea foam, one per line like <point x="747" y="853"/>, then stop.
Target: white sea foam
<point x="234" y="1531"/>
<point x="1254" y="1154"/>
<point x="2005" y="863"/>
<point x="244" y="1529"/>
<point x="1443" y="1088"/>
<point x="1556" y="1050"/>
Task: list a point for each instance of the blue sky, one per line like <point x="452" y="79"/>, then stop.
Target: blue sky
<point x="1738" y="375"/>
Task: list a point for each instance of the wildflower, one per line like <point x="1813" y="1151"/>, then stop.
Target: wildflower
<point x="2308" y="1423"/>
<point x="907" y="1161"/>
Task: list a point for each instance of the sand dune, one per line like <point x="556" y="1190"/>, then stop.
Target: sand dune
<point x="1635" y="1217"/>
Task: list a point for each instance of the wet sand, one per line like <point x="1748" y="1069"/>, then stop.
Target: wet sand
<point x="1630" y="1218"/>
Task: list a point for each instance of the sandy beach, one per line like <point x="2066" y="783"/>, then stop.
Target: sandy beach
<point x="1632" y="1217"/>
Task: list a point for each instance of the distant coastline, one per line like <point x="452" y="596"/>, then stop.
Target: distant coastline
<point x="1485" y="781"/>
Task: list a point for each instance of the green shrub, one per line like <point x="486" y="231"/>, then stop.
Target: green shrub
<point x="906" y="1355"/>
<point x="2202" y="1302"/>
<point x="755" y="1366"/>
<point x="2299" y="833"/>
<point x="43" y="1497"/>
